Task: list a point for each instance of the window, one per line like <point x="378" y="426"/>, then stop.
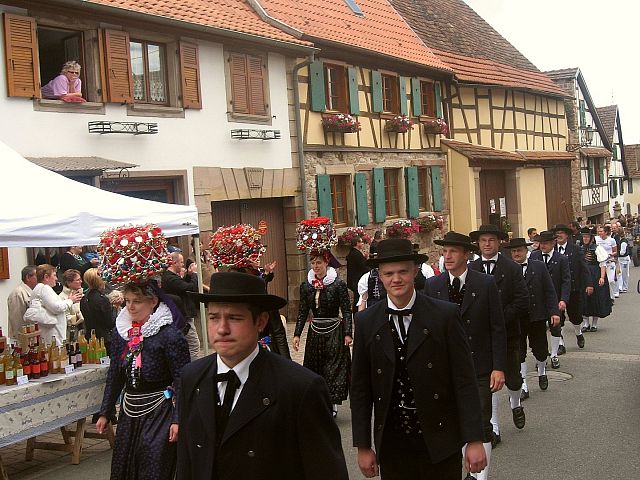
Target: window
<point x="630" y="185"/>
<point x="621" y="186"/>
<point x="335" y="87"/>
<point x="390" y="94"/>
<point x="149" y="71"/>
<point x="339" y="199"/>
<point x="55" y="48"/>
<point x="428" y="98"/>
<point x="248" y="92"/>
<point x="355" y="8"/>
<point x="613" y="188"/>
<point x="425" y="197"/>
<point x="596" y="171"/>
<point x="392" y="192"/>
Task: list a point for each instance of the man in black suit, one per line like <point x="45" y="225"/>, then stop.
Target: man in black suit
<point x="275" y="420"/>
<point x="558" y="267"/>
<point x="412" y="366"/>
<point x="476" y="295"/>
<point x="514" y="299"/>
<point x="543" y="308"/>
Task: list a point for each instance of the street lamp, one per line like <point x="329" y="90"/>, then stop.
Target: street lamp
<point x="585" y="140"/>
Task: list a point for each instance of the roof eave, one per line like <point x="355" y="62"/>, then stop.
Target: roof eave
<point x="593" y="109"/>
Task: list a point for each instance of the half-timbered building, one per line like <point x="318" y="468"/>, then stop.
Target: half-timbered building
<point x="618" y="174"/>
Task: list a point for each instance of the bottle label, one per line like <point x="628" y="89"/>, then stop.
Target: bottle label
<point x="1" y="367"/>
<point x="56" y="364"/>
<point x="19" y="372"/>
<point x="35" y="368"/>
<point x="9" y="374"/>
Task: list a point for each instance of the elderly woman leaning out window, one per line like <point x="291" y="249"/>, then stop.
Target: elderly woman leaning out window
<point x="67" y="86"/>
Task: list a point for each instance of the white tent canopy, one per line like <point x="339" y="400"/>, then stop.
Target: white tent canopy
<point x="40" y="208"/>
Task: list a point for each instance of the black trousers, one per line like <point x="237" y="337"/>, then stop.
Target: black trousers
<point x="484" y="388"/>
<point x="512" y="377"/>
<point x="573" y="312"/>
<point x="536" y="332"/>
<point x="398" y="465"/>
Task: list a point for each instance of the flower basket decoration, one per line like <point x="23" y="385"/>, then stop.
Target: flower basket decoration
<point x="346" y="239"/>
<point x="402" y="229"/>
<point x="399" y="124"/>
<point x="132" y="253"/>
<point x="315" y="235"/>
<point x="429" y="223"/>
<point x="237" y="245"/>
<point x="340" y="122"/>
<point x="436" y="126"/>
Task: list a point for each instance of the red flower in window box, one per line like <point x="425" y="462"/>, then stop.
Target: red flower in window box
<point x="340" y="122"/>
<point x="353" y="232"/>
<point x="399" y="124"/>
<point x="436" y="126"/>
<point x="429" y="223"/>
<point x="402" y="229"/>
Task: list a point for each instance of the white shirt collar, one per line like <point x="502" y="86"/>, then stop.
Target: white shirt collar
<point x="563" y="245"/>
<point x="408" y="305"/>
<point x="462" y="277"/>
<point x="242" y="368"/>
<point x="495" y="258"/>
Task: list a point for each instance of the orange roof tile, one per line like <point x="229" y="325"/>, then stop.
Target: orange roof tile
<point x="232" y="15"/>
<point x="381" y="30"/>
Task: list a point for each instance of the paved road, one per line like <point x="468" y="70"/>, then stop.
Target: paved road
<point x="586" y="426"/>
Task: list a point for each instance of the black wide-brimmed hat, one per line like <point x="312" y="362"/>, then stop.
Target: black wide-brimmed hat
<point x="458" y="240"/>
<point x="236" y="287"/>
<point x="396" y="250"/>
<point x="518" y="242"/>
<point x="545" y="236"/>
<point x="561" y="227"/>
<point x="587" y="231"/>
<point x="488" y="229"/>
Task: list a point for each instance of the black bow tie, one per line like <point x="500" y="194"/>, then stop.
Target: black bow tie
<point x="523" y="264"/>
<point x="487" y="262"/>
<point x="402" y="313"/>
<point x="230" y="377"/>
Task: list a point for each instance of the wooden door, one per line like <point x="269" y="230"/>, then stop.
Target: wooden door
<point x="252" y="211"/>
<point x="492" y="189"/>
<point x="557" y="184"/>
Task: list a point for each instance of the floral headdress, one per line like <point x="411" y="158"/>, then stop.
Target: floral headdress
<point x="238" y="245"/>
<point x="316" y="235"/>
<point x="354" y="232"/>
<point x="132" y="253"/>
<point x="402" y="229"/>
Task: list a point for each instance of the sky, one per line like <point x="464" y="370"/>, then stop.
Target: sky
<point x="598" y="37"/>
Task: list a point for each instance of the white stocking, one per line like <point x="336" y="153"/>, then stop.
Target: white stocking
<point x="494" y="413"/>
<point x="523" y="374"/>
<point x="555" y="343"/>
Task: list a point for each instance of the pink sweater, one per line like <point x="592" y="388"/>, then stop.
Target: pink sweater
<point x="59" y="87"/>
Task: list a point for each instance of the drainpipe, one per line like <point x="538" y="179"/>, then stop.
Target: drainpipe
<point x="299" y="138"/>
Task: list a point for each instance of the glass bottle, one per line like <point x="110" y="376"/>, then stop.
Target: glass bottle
<point x="9" y="372"/>
<point x="64" y="358"/>
<point x="17" y="366"/>
<point x="3" y="379"/>
<point x="78" y="356"/>
<point x="35" y="362"/>
<point x="84" y="347"/>
<point x="44" y="361"/>
<point x="54" y="359"/>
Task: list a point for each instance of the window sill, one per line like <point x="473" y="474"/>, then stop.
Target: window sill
<point x="45" y="105"/>
<point x="243" y="118"/>
<point x="147" y="110"/>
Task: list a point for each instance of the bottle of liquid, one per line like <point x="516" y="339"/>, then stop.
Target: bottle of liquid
<point x="84" y="347"/>
<point x="54" y="357"/>
<point x="102" y="350"/>
<point x="17" y="366"/>
<point x="78" y="356"/>
<point x="71" y="353"/>
<point x="44" y="361"/>
<point x="9" y="373"/>
<point x="35" y="362"/>
<point x="64" y="359"/>
<point x="93" y="341"/>
<point x="3" y="379"/>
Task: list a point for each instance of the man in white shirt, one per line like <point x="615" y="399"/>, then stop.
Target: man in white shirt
<point x="624" y="259"/>
<point x="610" y="246"/>
<point x="18" y="299"/>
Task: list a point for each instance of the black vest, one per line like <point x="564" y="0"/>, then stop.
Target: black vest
<point x="375" y="288"/>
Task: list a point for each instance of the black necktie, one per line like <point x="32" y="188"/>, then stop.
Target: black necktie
<point x="233" y="382"/>
<point x="456" y="285"/>
<point x="524" y="268"/>
<point x="488" y="266"/>
<point x="561" y="250"/>
<point x="400" y="314"/>
<point x="546" y="258"/>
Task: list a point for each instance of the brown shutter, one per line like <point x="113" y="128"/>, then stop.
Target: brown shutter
<point x="21" y="52"/>
<point x="190" y="73"/>
<point x="118" y="67"/>
<point x="257" y="104"/>
<point x="239" y="83"/>
<point x="4" y="264"/>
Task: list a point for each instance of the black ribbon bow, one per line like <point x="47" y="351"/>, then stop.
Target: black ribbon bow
<point x="402" y="313"/>
<point x="233" y="382"/>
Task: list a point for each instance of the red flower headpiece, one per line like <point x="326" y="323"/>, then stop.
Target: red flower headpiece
<point x="315" y="234"/>
<point x="236" y="246"/>
<point x="132" y="253"/>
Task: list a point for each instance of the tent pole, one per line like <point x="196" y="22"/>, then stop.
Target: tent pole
<point x="203" y="313"/>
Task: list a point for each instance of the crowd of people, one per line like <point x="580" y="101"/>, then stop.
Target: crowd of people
<point x="433" y="344"/>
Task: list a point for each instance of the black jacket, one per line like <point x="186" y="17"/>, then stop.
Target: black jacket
<point x="482" y="318"/>
<point x="97" y="313"/>
<point x="280" y="428"/>
<point x="543" y="301"/>
<point x="68" y="261"/>
<point x="441" y="372"/>
<point x="560" y="272"/>
<point x="580" y="277"/>
<point x="356" y="267"/>
<point x="172" y="283"/>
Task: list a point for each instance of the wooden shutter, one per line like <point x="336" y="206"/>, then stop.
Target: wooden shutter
<point x="118" y="65"/>
<point x="4" y="263"/>
<point x="583" y="114"/>
<point x="190" y="74"/>
<point x="416" y="97"/>
<point x="323" y="185"/>
<point x="376" y="91"/>
<point x="614" y="152"/>
<point x="257" y="98"/>
<point x="438" y="99"/>
<point x="354" y="99"/>
<point x="362" y="206"/>
<point x="404" y="108"/>
<point x="379" y="203"/>
<point x="239" y="83"/>
<point x="411" y="182"/>
<point x="591" y="177"/>
<point x="316" y="83"/>
<point x="436" y="188"/>
<point x="21" y="53"/>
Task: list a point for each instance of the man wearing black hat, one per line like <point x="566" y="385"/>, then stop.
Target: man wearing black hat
<point x="413" y="367"/>
<point x="543" y="308"/>
<point x="559" y="268"/>
<point x="478" y="299"/>
<point x="245" y="412"/>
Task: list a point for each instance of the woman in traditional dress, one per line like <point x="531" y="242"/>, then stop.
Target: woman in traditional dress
<point x="148" y="352"/>
<point x="598" y="304"/>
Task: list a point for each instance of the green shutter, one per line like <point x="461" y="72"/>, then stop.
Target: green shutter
<point x="621" y="187"/>
<point x="591" y="178"/>
<point x="379" y="203"/>
<point x="362" y="206"/>
<point x="438" y="95"/>
<point x="316" y="80"/>
<point x="404" y="108"/>
<point x="354" y="101"/>
<point x="614" y="152"/>
<point x="323" y="184"/>
<point x="436" y="189"/>
<point x="376" y="91"/>
<point x="411" y="179"/>
<point x="416" y="97"/>
<point x="583" y="114"/>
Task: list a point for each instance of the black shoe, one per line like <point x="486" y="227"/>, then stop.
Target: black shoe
<point x="334" y="412"/>
<point x="518" y="417"/>
<point x="543" y="381"/>
<point x="593" y="329"/>
<point x="555" y="363"/>
<point x="585" y="328"/>
<point x="524" y="394"/>
<point x="495" y="439"/>
<point x="561" y="350"/>
<point x="580" y="340"/>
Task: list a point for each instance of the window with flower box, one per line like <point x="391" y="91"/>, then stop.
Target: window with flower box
<point x="392" y="191"/>
<point x="427" y="98"/>
<point x="390" y="94"/>
<point x="339" y="199"/>
<point x="335" y="87"/>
